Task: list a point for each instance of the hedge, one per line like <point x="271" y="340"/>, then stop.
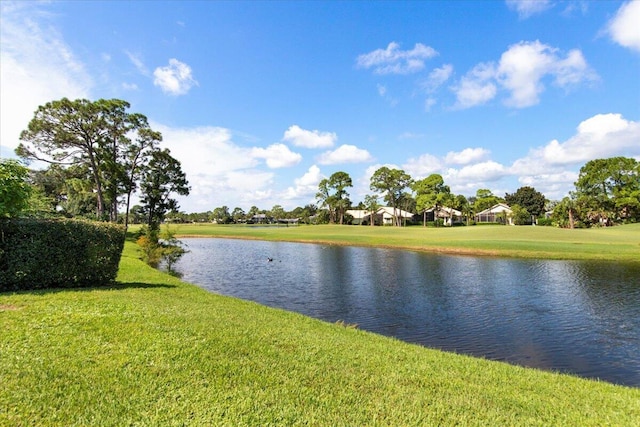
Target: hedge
<point x="54" y="253"/>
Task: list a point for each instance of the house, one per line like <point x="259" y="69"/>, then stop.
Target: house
<point x="360" y="216"/>
<point x="260" y="219"/>
<point x="447" y="214"/>
<point x="386" y="213"/>
<point x="382" y="216"/>
<point x="499" y="214"/>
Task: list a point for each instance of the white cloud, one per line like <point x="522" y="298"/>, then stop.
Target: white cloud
<point x="306" y="185"/>
<point x="523" y="66"/>
<point x="136" y="60"/>
<point x="36" y="66"/>
<point x="345" y="154"/>
<point x="601" y="136"/>
<point x="392" y="60"/>
<point x="423" y="166"/>
<point x="209" y="150"/>
<point x="219" y="171"/>
<point x="476" y="87"/>
<point x="528" y="8"/>
<point x="624" y="28"/>
<point x="362" y="185"/>
<point x="520" y="72"/>
<point x="277" y="156"/>
<point x="553" y="185"/>
<point x="438" y="77"/>
<point x="482" y="172"/>
<point x="175" y="78"/>
<point x="382" y="90"/>
<point x="553" y="167"/>
<point x="309" y="138"/>
<point x="466" y="156"/>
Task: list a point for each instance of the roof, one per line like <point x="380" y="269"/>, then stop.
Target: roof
<point x="389" y="211"/>
<point x="446" y="211"/>
<point x="498" y="208"/>
<point x="358" y="213"/>
<point x="385" y="210"/>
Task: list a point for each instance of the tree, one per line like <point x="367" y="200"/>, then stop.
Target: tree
<point x="431" y="192"/>
<point x="136" y="157"/>
<point x="564" y="213"/>
<point x="162" y="178"/>
<point x="407" y="203"/>
<point x="137" y="215"/>
<point x="221" y="215"/>
<point x="611" y="187"/>
<point x="80" y="197"/>
<point x="14" y="188"/>
<point x="333" y="195"/>
<point x="527" y="198"/>
<point x="304" y="213"/>
<point x="237" y="214"/>
<point x="462" y="204"/>
<point x="484" y="200"/>
<point x="391" y="183"/>
<point x="520" y="215"/>
<point x="371" y="204"/>
<point x="97" y="135"/>
<point x="51" y="183"/>
<point x="253" y="210"/>
<point x="277" y="212"/>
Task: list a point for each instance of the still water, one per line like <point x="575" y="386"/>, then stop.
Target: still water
<point x="576" y="317"/>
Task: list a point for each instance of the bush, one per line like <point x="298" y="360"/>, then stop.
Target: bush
<point x="40" y="254"/>
<point x="160" y="248"/>
<point x="545" y="222"/>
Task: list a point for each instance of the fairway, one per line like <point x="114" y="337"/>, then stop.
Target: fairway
<point x="621" y="243"/>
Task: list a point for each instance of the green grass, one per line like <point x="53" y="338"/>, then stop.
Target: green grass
<point x="620" y="243"/>
<point x="153" y="350"/>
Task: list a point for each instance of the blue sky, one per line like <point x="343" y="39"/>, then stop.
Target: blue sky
<point x="260" y="100"/>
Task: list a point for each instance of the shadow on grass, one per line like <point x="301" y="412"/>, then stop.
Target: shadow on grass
<point x="110" y="287"/>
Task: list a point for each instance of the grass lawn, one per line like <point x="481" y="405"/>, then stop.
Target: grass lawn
<point x="620" y="243"/>
<point x="153" y="350"/>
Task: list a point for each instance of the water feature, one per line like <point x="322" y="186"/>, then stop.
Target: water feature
<point x="577" y="317"/>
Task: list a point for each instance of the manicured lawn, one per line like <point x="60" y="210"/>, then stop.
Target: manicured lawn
<point x="620" y="243"/>
<point x="155" y="351"/>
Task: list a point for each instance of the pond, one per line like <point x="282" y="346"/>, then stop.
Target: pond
<point x="576" y="317"/>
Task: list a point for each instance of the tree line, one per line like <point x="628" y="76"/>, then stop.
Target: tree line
<point x="399" y="191"/>
<point x="607" y="192"/>
<point x="99" y="155"/>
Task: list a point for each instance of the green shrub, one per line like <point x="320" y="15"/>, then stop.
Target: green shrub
<point x="161" y="248"/>
<point x="40" y="253"/>
<point x="545" y="222"/>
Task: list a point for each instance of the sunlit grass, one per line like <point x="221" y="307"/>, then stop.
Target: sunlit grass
<point x="621" y="243"/>
<point x="155" y="351"/>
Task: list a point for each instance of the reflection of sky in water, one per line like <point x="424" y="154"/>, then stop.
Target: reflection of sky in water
<point x="563" y="315"/>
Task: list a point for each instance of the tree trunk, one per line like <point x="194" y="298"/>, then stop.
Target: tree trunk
<point x="571" y="221"/>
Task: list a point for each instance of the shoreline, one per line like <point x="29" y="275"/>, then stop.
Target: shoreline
<point x="433" y="249"/>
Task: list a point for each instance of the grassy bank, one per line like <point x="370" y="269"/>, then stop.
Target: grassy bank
<point x="155" y="351"/>
<point x="620" y="243"/>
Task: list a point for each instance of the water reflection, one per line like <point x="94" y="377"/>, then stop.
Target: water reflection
<point x="577" y="317"/>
